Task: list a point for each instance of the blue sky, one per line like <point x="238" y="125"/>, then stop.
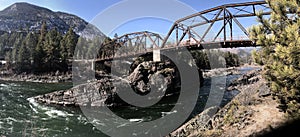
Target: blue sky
<point x="89" y="9"/>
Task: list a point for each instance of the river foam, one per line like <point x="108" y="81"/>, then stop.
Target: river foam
<point x="50" y="111"/>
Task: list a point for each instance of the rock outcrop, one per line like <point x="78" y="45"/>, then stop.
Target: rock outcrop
<point x="104" y="92"/>
<point x="97" y="93"/>
<point x="248" y="78"/>
<point x="221" y="72"/>
<point x="148" y="73"/>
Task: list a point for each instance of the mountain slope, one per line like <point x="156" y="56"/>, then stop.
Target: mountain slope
<point x="24" y="16"/>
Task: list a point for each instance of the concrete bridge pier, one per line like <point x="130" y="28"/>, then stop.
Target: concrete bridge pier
<point x="93" y="65"/>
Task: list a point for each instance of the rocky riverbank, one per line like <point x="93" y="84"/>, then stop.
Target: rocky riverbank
<point x="253" y="112"/>
<point x="227" y="71"/>
<point x="43" y="78"/>
<point x="67" y="77"/>
<point x="221" y="72"/>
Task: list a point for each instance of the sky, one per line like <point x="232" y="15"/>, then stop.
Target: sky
<point x="114" y="16"/>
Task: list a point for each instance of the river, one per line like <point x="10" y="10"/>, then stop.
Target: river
<point x="20" y="116"/>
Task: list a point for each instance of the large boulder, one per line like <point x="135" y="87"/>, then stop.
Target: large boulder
<point x="98" y="93"/>
<point x="248" y="78"/>
<point x="147" y="73"/>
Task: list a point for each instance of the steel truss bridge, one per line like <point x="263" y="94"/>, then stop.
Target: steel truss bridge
<point x="208" y="29"/>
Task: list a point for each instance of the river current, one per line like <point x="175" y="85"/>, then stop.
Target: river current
<point x="20" y="116"/>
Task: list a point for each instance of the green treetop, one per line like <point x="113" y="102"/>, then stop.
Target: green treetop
<point x="280" y="54"/>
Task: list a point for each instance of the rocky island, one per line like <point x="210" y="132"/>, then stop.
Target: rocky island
<point x="103" y="92"/>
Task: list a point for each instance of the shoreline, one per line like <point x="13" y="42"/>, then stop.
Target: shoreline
<point x="43" y="78"/>
<point x="253" y="112"/>
<point x="67" y="77"/>
<point x="227" y="71"/>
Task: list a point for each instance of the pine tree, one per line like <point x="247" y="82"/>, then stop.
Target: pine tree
<point x="69" y="43"/>
<point x="280" y="39"/>
<point x="8" y="59"/>
<point x="52" y="50"/>
<point x="24" y="57"/>
<point x="17" y="44"/>
<point x="30" y="42"/>
<point x="94" y="46"/>
<point x="39" y="53"/>
<point x="67" y="49"/>
<point x="23" y="60"/>
<point x="81" y="48"/>
<point x="201" y="59"/>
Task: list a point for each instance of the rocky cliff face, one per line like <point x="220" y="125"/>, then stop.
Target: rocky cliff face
<point x="26" y="17"/>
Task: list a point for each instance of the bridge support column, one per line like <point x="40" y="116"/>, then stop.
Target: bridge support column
<point x="156" y="55"/>
<point x="93" y="65"/>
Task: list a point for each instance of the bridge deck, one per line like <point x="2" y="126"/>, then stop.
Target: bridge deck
<point x="208" y="45"/>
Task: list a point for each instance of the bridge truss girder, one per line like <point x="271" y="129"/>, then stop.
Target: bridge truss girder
<point x="136" y="42"/>
<point x="228" y="14"/>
